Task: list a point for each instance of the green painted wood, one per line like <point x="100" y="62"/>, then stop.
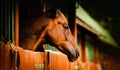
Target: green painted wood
<point x="90" y="50"/>
<point x="103" y="34"/>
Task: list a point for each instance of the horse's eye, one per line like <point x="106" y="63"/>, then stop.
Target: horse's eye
<point x="59" y="23"/>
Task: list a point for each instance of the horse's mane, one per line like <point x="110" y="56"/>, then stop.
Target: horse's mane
<point x="48" y="13"/>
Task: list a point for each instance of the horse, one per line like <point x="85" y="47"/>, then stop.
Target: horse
<point x="49" y="28"/>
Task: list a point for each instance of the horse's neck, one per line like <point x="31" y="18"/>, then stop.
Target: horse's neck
<point x="28" y="34"/>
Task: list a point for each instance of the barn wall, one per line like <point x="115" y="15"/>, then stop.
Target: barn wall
<point x="109" y="58"/>
<point x="99" y="55"/>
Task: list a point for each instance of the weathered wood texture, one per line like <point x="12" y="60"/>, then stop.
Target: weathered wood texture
<point x="57" y="61"/>
<point x="5" y="57"/>
<point x="25" y="60"/>
<point x="31" y="60"/>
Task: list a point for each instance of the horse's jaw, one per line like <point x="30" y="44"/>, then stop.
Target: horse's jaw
<point x="68" y="49"/>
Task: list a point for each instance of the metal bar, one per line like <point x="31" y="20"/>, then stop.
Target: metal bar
<point x="1" y="21"/>
<point x="8" y="20"/>
<point x="12" y="21"/>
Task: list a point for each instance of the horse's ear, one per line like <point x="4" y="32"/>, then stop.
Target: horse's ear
<point x="51" y="13"/>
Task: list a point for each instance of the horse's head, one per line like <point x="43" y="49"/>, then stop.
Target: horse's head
<point x="60" y="36"/>
<point x="49" y="29"/>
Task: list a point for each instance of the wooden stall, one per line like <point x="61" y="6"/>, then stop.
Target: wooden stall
<point x="5" y="57"/>
<point x="20" y="59"/>
<point x="30" y="60"/>
<point x="57" y="61"/>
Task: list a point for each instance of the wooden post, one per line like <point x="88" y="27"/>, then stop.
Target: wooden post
<point x="44" y="5"/>
<point x="73" y="26"/>
<point x="16" y="23"/>
<point x="83" y="45"/>
<point x="2" y="20"/>
<point x="71" y="18"/>
<point x="95" y="51"/>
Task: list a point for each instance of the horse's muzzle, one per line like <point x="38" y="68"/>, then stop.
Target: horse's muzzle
<point x="73" y="56"/>
<point x="70" y="50"/>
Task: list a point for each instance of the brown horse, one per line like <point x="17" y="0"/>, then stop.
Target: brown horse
<point x="51" y="29"/>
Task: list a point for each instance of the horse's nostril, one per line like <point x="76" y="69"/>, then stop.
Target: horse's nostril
<point x="77" y="54"/>
<point x="73" y="56"/>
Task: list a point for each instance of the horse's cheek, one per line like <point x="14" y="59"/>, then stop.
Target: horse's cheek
<point x="55" y="37"/>
<point x="51" y="35"/>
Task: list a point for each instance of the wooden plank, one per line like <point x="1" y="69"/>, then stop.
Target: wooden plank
<point x="39" y="60"/>
<point x="58" y="61"/>
<point x="47" y="56"/>
<point x="81" y="65"/>
<point x="21" y="57"/>
<point x="28" y="60"/>
<point x="52" y="61"/>
<point x="63" y="62"/>
<point x="92" y="66"/>
<point x="8" y="59"/>
<point x="74" y="65"/>
<point x="31" y="60"/>
<point x="88" y="66"/>
<point x="2" y="57"/>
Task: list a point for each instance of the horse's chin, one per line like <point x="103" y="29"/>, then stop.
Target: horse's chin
<point x="71" y="57"/>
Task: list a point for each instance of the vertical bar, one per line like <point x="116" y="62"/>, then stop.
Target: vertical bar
<point x="95" y="51"/>
<point x="6" y="21"/>
<point x="16" y="23"/>
<point x="44" y="5"/>
<point x="2" y="56"/>
<point x="15" y="60"/>
<point x="8" y="60"/>
<point x="8" y="17"/>
<point x="3" y="19"/>
<point x="10" y="8"/>
<point x="71" y="16"/>
<point x="12" y="18"/>
<point x="83" y="45"/>
<point x="0" y="21"/>
<point x="73" y="26"/>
